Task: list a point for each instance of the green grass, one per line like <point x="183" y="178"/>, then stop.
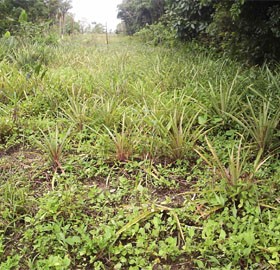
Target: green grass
<point x="105" y="163"/>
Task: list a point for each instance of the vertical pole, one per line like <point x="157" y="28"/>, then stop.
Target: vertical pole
<point x="107" y="38"/>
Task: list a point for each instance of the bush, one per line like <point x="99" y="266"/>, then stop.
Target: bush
<point x="7" y="44"/>
<point x="156" y="34"/>
<point x="247" y="31"/>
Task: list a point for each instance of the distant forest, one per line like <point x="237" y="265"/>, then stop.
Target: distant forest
<point x="247" y="29"/>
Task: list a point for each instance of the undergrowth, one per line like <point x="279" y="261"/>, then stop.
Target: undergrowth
<point x="129" y="156"/>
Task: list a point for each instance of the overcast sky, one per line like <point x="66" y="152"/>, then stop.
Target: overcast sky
<point x="99" y="11"/>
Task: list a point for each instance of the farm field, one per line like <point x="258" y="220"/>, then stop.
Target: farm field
<point x="130" y="156"/>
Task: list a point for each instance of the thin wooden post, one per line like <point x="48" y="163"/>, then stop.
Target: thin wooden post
<point x="107" y="38"/>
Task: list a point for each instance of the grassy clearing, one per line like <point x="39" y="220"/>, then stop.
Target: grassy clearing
<point x="136" y="157"/>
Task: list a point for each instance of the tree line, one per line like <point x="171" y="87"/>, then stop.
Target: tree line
<point x="38" y="11"/>
<point x="248" y="29"/>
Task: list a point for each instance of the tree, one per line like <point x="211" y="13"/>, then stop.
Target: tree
<point x="99" y="28"/>
<point x="37" y="11"/>
<point x="247" y="29"/>
<point x="189" y="18"/>
<point x="138" y="13"/>
<point x="62" y="11"/>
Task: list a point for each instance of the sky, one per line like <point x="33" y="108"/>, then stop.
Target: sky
<point x="99" y="11"/>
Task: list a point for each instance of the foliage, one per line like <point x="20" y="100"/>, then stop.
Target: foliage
<point x="262" y="125"/>
<point x="98" y="29"/>
<point x="77" y="107"/>
<point x="224" y="97"/>
<point x="135" y="184"/>
<point x="33" y="11"/>
<point x="53" y="144"/>
<point x="136" y="14"/>
<point x="189" y="18"/>
<point x="246" y="30"/>
<point x="234" y="26"/>
<point x="236" y="164"/>
<point x="156" y="34"/>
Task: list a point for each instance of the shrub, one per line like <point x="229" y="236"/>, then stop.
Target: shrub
<point x="156" y="34"/>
